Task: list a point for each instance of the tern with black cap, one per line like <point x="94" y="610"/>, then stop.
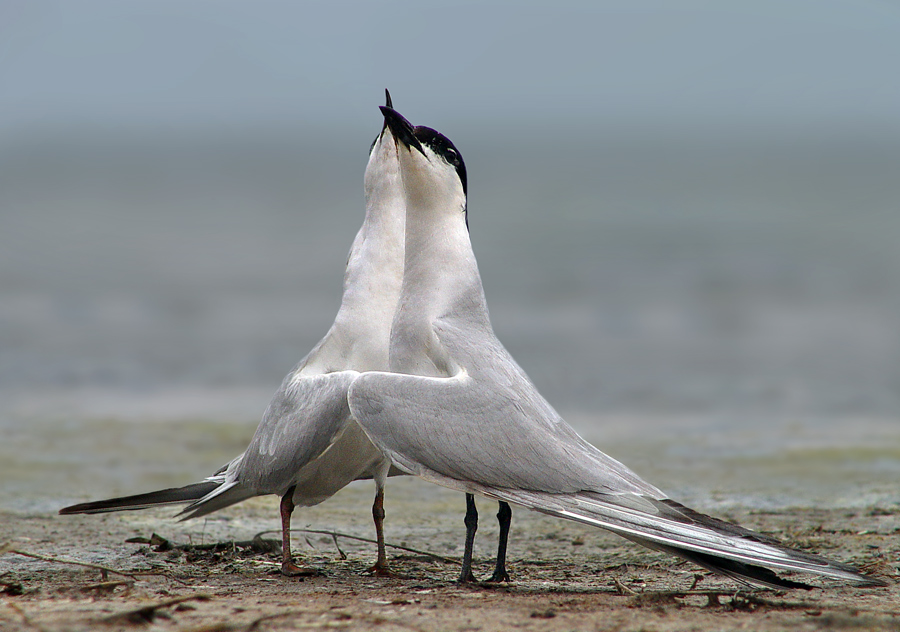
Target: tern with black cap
<point x="457" y="410"/>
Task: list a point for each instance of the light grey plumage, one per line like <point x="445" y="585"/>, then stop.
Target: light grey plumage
<point x="307" y="445"/>
<point x="466" y="416"/>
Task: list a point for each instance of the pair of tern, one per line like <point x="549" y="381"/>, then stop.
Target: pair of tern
<point x="411" y="379"/>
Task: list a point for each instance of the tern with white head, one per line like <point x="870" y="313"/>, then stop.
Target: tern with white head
<point x="307" y="446"/>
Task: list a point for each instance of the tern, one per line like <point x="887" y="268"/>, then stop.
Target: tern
<point x="307" y="446"/>
<point x="457" y="410"/>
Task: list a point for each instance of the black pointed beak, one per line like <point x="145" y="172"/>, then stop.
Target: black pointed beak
<point x="388" y="103"/>
<point x="401" y="128"/>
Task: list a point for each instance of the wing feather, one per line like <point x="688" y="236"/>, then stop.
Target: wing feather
<point x="306" y="416"/>
<point x="487" y="430"/>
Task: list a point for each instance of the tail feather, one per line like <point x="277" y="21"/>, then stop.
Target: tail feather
<point x="224" y="495"/>
<point x="172" y="496"/>
<point x="665" y="525"/>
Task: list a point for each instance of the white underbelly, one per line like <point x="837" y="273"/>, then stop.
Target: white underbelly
<point x="350" y="457"/>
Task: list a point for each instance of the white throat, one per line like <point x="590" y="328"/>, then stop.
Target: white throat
<point x="360" y="336"/>
<point x="440" y="277"/>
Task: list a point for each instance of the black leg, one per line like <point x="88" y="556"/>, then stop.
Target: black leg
<point x="287" y="563"/>
<point x="471" y="522"/>
<point x="504" y="517"/>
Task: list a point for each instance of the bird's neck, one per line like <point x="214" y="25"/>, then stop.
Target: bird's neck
<point x="440" y="281"/>
<point x="375" y="266"/>
<point x="360" y="336"/>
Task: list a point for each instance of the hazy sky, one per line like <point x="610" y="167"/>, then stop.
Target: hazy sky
<point x="164" y="64"/>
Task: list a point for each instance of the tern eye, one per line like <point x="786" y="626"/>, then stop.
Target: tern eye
<point x="452" y="156"/>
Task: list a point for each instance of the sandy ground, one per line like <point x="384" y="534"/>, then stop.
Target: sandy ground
<point x="565" y="576"/>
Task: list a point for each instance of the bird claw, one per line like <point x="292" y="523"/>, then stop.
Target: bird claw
<point x="379" y="569"/>
<point x="289" y="569"/>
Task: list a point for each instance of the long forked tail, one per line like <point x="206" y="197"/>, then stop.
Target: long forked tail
<point x="172" y="496"/>
<point x="743" y="555"/>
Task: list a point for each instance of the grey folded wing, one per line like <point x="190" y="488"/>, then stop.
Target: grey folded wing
<point x="456" y="434"/>
<point x="497" y="437"/>
<point x="469" y="434"/>
<point x="306" y="416"/>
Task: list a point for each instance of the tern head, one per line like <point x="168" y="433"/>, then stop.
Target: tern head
<point x="433" y="171"/>
<point x="382" y="172"/>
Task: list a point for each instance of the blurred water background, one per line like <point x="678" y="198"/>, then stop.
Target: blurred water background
<point x="687" y="224"/>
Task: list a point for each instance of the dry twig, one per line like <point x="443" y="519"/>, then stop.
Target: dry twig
<point x="103" y="569"/>
<point x="337" y="534"/>
<point x="146" y="614"/>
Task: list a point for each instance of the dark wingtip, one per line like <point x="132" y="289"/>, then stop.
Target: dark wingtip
<point x="98" y="506"/>
<point x="871" y="581"/>
<point x="171" y="496"/>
